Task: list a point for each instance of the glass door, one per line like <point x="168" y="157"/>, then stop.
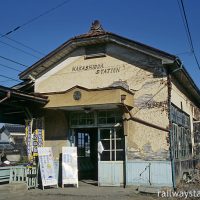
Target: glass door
<point x="111" y="144"/>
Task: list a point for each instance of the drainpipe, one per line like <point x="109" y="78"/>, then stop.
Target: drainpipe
<point x="7" y="97"/>
<point x="143" y="121"/>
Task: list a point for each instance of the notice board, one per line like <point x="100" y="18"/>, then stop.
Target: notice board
<point x="47" y="170"/>
<point x="69" y="166"/>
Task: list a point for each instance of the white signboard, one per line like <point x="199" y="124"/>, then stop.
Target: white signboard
<point x="69" y="166"/>
<point x="48" y="175"/>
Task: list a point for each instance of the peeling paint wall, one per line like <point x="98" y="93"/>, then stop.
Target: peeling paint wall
<point x="143" y="75"/>
<point x="151" y="106"/>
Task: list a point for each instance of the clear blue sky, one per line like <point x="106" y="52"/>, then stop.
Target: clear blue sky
<point x="156" y="23"/>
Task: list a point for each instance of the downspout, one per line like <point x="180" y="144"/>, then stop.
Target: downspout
<point x="7" y="97"/>
<point x="143" y="121"/>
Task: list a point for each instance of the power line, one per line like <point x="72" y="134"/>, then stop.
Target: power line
<point x="5" y="66"/>
<point x="16" y="48"/>
<point x="10" y="78"/>
<point x="187" y="29"/>
<point x="35" y="18"/>
<point x="16" y="62"/>
<point x="24" y="45"/>
<point x="6" y="80"/>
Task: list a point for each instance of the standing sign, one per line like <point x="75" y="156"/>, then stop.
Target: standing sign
<point x="69" y="166"/>
<point x="47" y="171"/>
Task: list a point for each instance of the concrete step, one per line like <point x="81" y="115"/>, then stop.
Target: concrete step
<point x="13" y="187"/>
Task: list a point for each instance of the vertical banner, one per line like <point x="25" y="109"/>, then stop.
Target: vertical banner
<point x="34" y="137"/>
<point x="47" y="170"/>
<point x="38" y="141"/>
<point x="29" y="142"/>
<point x="69" y="166"/>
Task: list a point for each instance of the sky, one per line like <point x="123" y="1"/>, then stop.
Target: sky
<point x="156" y="23"/>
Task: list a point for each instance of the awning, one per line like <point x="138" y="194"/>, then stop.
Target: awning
<point x="15" y="106"/>
<point x="80" y="98"/>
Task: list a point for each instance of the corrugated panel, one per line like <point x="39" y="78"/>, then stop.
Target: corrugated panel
<point x="152" y="173"/>
<point x="110" y="173"/>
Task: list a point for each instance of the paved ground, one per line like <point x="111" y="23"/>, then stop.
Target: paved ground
<point x="84" y="192"/>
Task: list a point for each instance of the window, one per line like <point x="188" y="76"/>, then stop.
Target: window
<point x="83" y="144"/>
<point x="196" y="126"/>
<point x="81" y="118"/>
<point x="181" y="134"/>
<point x="113" y="143"/>
<point x="175" y="141"/>
<point x="109" y="117"/>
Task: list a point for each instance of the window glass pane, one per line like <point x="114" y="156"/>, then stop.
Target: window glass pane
<point x="102" y="120"/>
<point x="81" y="118"/>
<point x="106" y="144"/>
<point x="105" y="134"/>
<point x="109" y="117"/>
<point x="105" y="156"/>
<point x="120" y="144"/>
<point x="119" y="155"/>
<point x="102" y="114"/>
<point x="111" y="120"/>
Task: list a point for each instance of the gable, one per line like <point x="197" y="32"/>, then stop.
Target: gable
<point x="118" y="64"/>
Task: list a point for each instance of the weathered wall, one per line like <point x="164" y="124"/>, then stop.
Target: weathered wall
<point x="182" y="100"/>
<point x="144" y="75"/>
<point x="150" y="105"/>
<point x="56" y="127"/>
<point x="179" y="98"/>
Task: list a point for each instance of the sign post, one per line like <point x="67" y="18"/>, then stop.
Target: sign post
<point x="69" y="166"/>
<point x="47" y="170"/>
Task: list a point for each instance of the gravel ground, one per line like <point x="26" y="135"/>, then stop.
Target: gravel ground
<point x="91" y="192"/>
<point x="84" y="192"/>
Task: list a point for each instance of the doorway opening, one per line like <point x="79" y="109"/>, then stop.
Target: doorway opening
<point x="86" y="140"/>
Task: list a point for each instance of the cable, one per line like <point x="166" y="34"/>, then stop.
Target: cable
<point x="6" y="80"/>
<point x="35" y="18"/>
<point x="10" y="67"/>
<point x="24" y="45"/>
<point x="13" y="61"/>
<point x="19" y="49"/>
<point x="10" y="78"/>
<point x="187" y="29"/>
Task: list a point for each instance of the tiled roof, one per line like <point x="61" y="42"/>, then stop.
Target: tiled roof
<point x="13" y="128"/>
<point x="6" y="146"/>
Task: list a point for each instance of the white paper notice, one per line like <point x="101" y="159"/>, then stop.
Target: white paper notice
<point x="46" y="166"/>
<point x="69" y="166"/>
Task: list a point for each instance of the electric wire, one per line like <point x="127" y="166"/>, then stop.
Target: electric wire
<point x="9" y="78"/>
<point x="5" y="66"/>
<point x="35" y="18"/>
<point x="24" y="45"/>
<point x="16" y="62"/>
<point x="16" y="48"/>
<point x="187" y="29"/>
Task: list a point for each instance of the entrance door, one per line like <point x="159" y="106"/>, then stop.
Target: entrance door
<point x="86" y="143"/>
<point x="111" y="156"/>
